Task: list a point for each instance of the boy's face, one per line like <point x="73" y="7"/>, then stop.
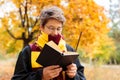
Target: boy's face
<point x="52" y="27"/>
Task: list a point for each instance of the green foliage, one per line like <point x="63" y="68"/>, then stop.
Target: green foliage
<point x="115" y="34"/>
<point x="11" y="47"/>
<point x="106" y="51"/>
<point x="115" y="57"/>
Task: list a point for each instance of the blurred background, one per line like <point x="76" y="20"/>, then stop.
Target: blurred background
<point x="93" y="27"/>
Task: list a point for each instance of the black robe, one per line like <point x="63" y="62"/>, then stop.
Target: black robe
<point x="24" y="70"/>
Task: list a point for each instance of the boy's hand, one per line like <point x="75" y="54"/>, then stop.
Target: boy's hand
<point x="71" y="70"/>
<point x="51" y="72"/>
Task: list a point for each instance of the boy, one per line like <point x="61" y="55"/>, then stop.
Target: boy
<point x="52" y="21"/>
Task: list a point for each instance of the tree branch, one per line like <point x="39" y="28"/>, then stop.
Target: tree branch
<point x="78" y="41"/>
<point x="21" y="17"/>
<point x="13" y="35"/>
<point x="35" y="22"/>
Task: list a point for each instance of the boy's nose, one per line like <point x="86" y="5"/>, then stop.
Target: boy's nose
<point x="55" y="32"/>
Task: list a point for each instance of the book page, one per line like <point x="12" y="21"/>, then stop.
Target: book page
<point x="54" y="46"/>
<point x="70" y="53"/>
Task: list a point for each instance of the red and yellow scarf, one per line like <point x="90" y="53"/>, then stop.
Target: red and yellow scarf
<point x="39" y="44"/>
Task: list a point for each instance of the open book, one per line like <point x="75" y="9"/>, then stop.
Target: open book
<point x="52" y="55"/>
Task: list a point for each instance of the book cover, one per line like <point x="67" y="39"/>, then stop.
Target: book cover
<point x="52" y="55"/>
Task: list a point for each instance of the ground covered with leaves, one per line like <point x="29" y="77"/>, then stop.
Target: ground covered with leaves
<point x="92" y="72"/>
<point x="6" y="68"/>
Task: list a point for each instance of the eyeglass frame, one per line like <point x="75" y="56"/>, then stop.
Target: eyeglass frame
<point x="51" y="28"/>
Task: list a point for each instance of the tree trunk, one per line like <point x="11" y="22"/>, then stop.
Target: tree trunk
<point x="25" y="43"/>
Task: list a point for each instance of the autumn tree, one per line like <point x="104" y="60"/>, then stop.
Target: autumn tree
<point x="23" y="23"/>
<point x="84" y="17"/>
<point x="89" y="19"/>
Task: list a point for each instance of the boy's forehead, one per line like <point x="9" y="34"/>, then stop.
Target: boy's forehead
<point x="54" y="21"/>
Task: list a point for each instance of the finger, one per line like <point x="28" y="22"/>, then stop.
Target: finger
<point x="50" y="70"/>
<point x="53" y="67"/>
<point x="71" y="75"/>
<point x="54" y="75"/>
<point x="71" y="71"/>
<point x="55" y="72"/>
<point x="71" y="65"/>
<point x="72" y="68"/>
<point x="51" y="73"/>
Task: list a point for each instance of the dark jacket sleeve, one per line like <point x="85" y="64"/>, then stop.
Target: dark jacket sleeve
<point x="80" y="68"/>
<point x="23" y="70"/>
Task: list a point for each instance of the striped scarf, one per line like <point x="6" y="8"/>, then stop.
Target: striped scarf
<point x="58" y="39"/>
